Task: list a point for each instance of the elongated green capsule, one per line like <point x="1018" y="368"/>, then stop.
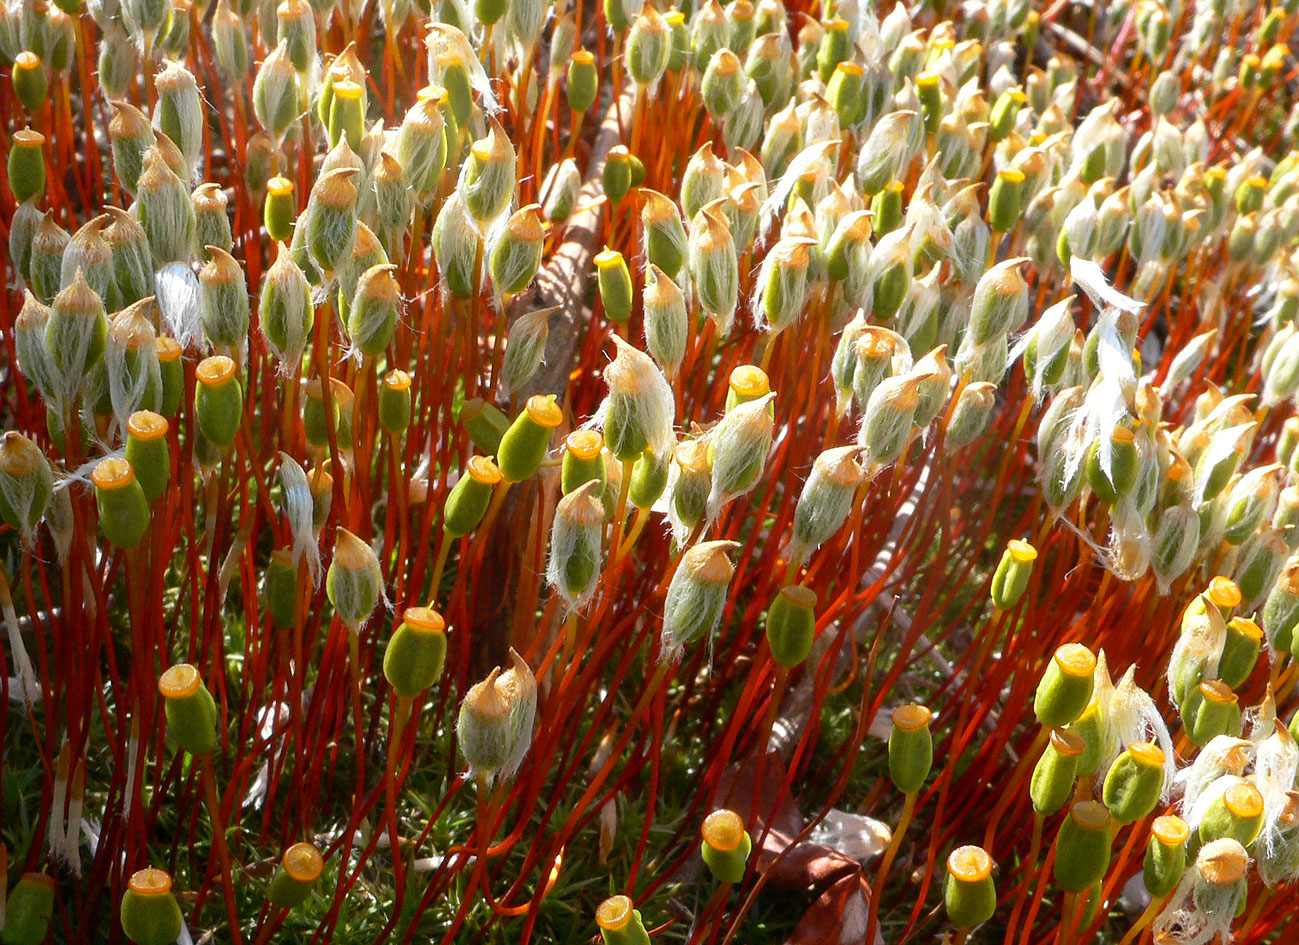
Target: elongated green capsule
<point x="150" y="914"/>
<point x="29" y="80"/>
<point x="147" y="451"/>
<point x="696" y="596"/>
<point x="485" y="424"/>
<point x="218" y="399"/>
<point x="192" y="717"/>
<point x="620" y="923"/>
<point x="791" y="626"/>
<point x="395" y="401"/>
<point x="1281" y="610"/>
<point x="123" y="508"/>
<point x="1237" y="813"/>
<point x="1066" y="687"/>
<point x="726" y="846"/>
<point x="26" y="166"/>
<point x="279" y="211"/>
<point x="1210" y="709"/>
<point x="649" y="478"/>
<point x="295" y="876"/>
<point x="583" y="83"/>
<point x="969" y="894"/>
<point x="173" y="375"/>
<point x="615" y="285"/>
<point x="1013" y="571"/>
<point x="416" y="653"/>
<point x="1165" y="859"/>
<point x="665" y="233"/>
<point x="1005" y="199"/>
<point x="911" y="747"/>
<point x="616" y="177"/>
<point x="524" y="444"/>
<point x="1082" y="846"/>
<point x="1134" y="782"/>
<point x="1240" y="652"/>
<point x="469" y="498"/>
<point x="1053" y="776"/>
<point x="28" y="910"/>
<point x="280" y="586"/>
<point x="583" y="460"/>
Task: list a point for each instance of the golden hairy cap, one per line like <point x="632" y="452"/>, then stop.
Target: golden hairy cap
<point x="303" y="862"/>
<point x="1074" y="659"/>
<point x="614" y="913"/>
<point x="424" y="619"/>
<point x="149" y="882"/>
<point x="179" y="681"/>
<point x="969" y="864"/>
<point x="543" y="410"/>
<point x="584" y="444"/>
<point x="350" y="552"/>
<point x="1222" y="862"/>
<point x="113" y="473"/>
<point x="18" y="455"/>
<point x="911" y="717"/>
<point x="723" y="830"/>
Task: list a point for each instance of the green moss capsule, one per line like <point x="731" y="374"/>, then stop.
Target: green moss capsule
<point x="969" y="894"/>
<point x="172" y="368"/>
<point x="620" y="923"/>
<point x="615" y="285"/>
<point x="1236" y="814"/>
<point x="395" y="401"/>
<point x="1134" y="782"/>
<point x="791" y="625"/>
<point x="218" y="399"/>
<point x="1005" y="199"/>
<point x="295" y="876"/>
<point x="26" y="166"/>
<point x="147" y="451"/>
<point x="28" y="910"/>
<point x="150" y="914"/>
<point x="649" y="478"/>
<point x="192" y="718"/>
<point x="1241" y="651"/>
<point x="1165" y="859"/>
<point x="416" y="653"/>
<point x="726" y="846"/>
<point x="123" y="508"/>
<point x="1281" y="610"/>
<point x="280" y="587"/>
<point x="30" y="82"/>
<point x="1082" y="847"/>
<point x="1013" y="571"/>
<point x="485" y="424"/>
<point x="1210" y="709"/>
<point x="523" y="446"/>
<point x="911" y="747"/>
<point x="26" y="482"/>
<point x="1066" y="686"/>
<point x="1053" y="778"/>
<point x="887" y="207"/>
<point x="583" y="460"/>
<point x="583" y="81"/>
<point x="279" y="211"/>
<point x="469" y="498"/>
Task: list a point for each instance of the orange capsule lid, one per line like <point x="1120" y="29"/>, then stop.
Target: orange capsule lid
<point x="150" y="882"/>
<point x="723" y="830"/>
<point x="179" y="681"/>
<point x="969" y="864"/>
